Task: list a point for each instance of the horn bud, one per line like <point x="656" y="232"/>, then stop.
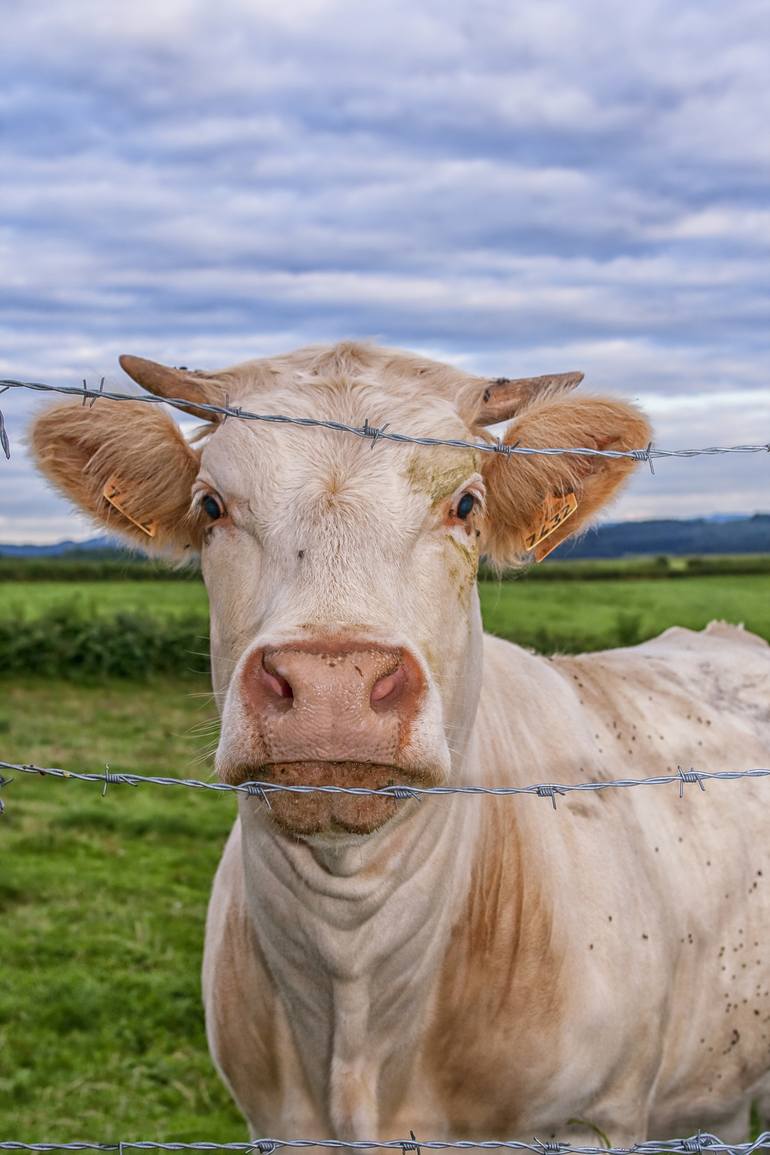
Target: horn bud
<point x="173" y="384"/>
<point x="507" y="396"/>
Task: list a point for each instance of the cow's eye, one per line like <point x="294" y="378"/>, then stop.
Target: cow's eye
<point x="466" y="505"/>
<point x="212" y="506"/>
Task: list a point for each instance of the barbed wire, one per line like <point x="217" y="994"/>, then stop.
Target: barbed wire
<point x="695" y="1145"/>
<point x="262" y="789"/>
<point x="370" y="432"/>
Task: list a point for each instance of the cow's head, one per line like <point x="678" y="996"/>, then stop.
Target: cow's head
<point x="341" y="573"/>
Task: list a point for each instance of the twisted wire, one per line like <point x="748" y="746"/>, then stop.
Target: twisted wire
<point x="372" y="432"/>
<point x="695" y="1145"/>
<point x="262" y="789"/>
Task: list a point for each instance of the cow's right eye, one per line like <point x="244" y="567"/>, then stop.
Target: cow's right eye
<point x="212" y="506"/>
<point x="466" y="505"/>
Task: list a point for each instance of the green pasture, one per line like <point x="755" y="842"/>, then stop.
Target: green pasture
<point x="135" y="629"/>
<point x="593" y="615"/>
<point x="163" y="598"/>
<point x="102" y="902"/>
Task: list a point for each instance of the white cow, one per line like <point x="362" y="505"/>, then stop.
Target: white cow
<point x="464" y="967"/>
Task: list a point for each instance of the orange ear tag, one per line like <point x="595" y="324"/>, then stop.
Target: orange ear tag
<point x="113" y="495"/>
<point x="553" y="513"/>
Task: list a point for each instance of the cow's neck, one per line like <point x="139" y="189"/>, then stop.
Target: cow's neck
<point x="354" y="940"/>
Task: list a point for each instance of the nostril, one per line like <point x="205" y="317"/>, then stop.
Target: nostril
<point x="278" y="686"/>
<point x="387" y="690"/>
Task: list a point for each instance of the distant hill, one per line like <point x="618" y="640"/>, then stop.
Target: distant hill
<point x="720" y="534"/>
<point x="693" y="536"/>
<point x="94" y="547"/>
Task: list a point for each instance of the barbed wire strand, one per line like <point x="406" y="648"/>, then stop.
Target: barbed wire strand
<point x="692" y="1146"/>
<point x="372" y="432"/>
<point x="261" y="789"/>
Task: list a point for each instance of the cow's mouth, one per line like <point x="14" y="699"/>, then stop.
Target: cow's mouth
<point x="320" y="813"/>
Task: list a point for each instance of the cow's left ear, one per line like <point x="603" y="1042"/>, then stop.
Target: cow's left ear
<point x="535" y="502"/>
<point x="127" y="466"/>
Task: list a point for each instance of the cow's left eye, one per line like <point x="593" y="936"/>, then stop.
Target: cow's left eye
<point x="212" y="506"/>
<point x="465" y="506"/>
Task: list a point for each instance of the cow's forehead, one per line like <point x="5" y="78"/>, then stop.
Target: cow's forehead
<point x="394" y="371"/>
<point x="243" y="454"/>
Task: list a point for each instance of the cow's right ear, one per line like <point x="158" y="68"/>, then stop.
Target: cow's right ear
<point x="536" y="501"/>
<point x="126" y="465"/>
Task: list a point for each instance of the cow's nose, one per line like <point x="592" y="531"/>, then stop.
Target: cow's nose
<point x="375" y="676"/>
<point x="332" y="700"/>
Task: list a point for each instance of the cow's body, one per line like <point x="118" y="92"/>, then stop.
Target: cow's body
<point x="465" y="966"/>
<point x="489" y="968"/>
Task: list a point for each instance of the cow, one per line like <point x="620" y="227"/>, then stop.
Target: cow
<point x="460" y="966"/>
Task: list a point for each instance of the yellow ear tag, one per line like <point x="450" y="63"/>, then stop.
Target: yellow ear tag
<point x="117" y="499"/>
<point x="553" y="513"/>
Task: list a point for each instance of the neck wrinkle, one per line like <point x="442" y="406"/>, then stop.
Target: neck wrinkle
<point x="412" y="880"/>
<point x="377" y="871"/>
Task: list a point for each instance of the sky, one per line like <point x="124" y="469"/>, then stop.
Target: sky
<point x="518" y="188"/>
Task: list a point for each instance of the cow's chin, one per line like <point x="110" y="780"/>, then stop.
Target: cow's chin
<point x="334" y="816"/>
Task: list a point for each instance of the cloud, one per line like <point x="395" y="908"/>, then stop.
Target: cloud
<point x="514" y="188"/>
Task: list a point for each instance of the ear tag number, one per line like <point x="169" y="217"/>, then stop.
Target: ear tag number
<point x="113" y="495"/>
<point x="553" y="513"/>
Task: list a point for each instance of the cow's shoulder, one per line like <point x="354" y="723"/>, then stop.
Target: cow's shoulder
<point x="678" y="652"/>
<point x="689" y="691"/>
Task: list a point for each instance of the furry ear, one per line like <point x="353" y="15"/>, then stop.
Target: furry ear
<point x="524" y="492"/>
<point x="126" y="465"/>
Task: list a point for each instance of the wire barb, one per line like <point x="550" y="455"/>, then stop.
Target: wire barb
<point x="372" y="431"/>
<point x="645" y="455"/>
<point x="256" y="790"/>
<point x="402" y="792"/>
<point x="413" y="1146"/>
<point x="4" y="782"/>
<point x="689" y="776"/>
<point x="547" y="790"/>
<point x="4" y="442"/>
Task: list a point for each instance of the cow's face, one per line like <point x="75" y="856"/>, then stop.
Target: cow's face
<point x="344" y="613"/>
<point x="345" y="625"/>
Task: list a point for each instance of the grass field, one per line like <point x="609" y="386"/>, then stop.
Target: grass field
<point x="152" y="597"/>
<point x="571" y="614"/>
<point x="102" y="902"/>
<point x="601" y="613"/>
